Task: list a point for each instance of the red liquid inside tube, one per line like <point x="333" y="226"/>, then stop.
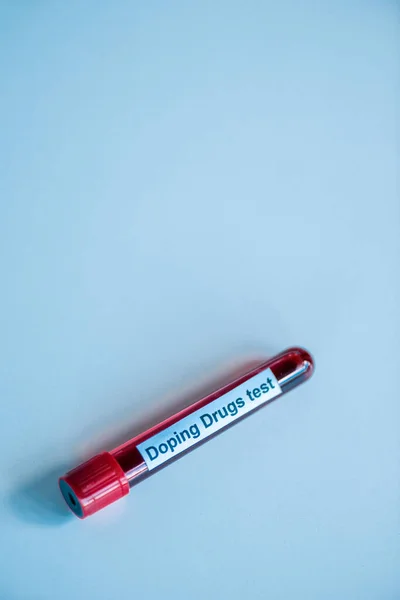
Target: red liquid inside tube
<point x="109" y="476"/>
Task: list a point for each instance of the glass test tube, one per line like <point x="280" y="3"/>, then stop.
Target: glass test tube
<point x="109" y="476"/>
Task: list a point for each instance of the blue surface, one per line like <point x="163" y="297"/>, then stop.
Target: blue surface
<point x="183" y="186"/>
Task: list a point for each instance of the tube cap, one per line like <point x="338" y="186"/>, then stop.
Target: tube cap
<point x="93" y="485"/>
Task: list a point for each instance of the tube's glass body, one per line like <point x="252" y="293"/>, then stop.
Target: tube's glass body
<point x="109" y="475"/>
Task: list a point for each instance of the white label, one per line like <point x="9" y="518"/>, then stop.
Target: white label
<point x="206" y="421"/>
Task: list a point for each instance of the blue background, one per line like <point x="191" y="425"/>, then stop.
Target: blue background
<point x="185" y="186"/>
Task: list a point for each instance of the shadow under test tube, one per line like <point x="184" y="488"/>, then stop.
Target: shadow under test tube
<point x="109" y="475"/>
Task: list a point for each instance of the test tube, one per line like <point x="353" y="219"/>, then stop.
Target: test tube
<point x="109" y="476"/>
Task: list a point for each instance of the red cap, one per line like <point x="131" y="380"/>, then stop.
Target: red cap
<point x="94" y="485"/>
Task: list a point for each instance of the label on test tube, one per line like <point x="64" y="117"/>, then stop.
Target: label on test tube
<point x="206" y="421"/>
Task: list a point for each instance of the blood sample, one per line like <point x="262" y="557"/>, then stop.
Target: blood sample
<point x="109" y="476"/>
